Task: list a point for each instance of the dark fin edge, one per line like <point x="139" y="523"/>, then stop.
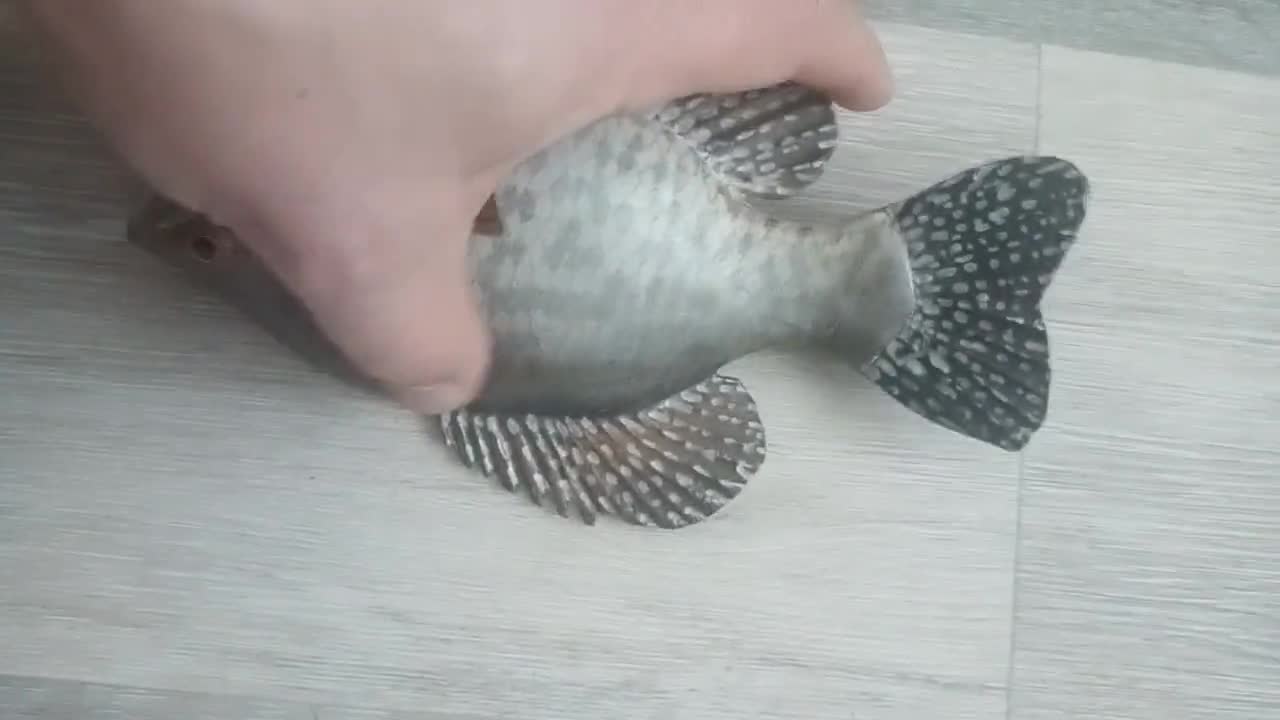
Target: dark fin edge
<point x="768" y="142"/>
<point x="671" y="465"/>
<point x="984" y="246"/>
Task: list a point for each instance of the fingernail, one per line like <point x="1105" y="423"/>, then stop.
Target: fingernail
<point x="433" y="399"/>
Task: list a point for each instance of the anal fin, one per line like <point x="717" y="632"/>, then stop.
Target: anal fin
<point x="670" y="465"/>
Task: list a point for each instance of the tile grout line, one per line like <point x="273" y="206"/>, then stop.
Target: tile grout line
<point x="1014" y="588"/>
<point x="1014" y="584"/>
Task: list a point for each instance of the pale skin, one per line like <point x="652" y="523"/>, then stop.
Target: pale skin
<point x="352" y="144"/>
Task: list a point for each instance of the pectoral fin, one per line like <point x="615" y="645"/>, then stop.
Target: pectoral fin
<point x="488" y="221"/>
<point x="768" y="143"/>
<point x="671" y="465"/>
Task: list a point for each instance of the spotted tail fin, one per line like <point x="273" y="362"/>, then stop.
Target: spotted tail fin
<point x="983" y="246"/>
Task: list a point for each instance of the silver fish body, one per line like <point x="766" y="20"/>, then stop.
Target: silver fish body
<point x="633" y="263"/>
<point x="626" y="272"/>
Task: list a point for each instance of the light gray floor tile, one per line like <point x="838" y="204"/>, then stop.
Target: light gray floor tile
<point x="23" y="698"/>
<point x="186" y="506"/>
<point x="336" y="712"/>
<point x="1149" y="582"/>
<point x="1228" y="34"/>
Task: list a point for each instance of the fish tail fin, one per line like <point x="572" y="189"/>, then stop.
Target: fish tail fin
<point x="983" y="246"/>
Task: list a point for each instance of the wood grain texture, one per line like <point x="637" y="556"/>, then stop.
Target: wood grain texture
<point x="1235" y="35"/>
<point x="23" y="698"/>
<point x="28" y="698"/>
<point x="186" y="507"/>
<point x="1149" y="581"/>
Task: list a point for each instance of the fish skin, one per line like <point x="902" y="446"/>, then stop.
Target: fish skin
<point x="621" y="217"/>
<point x="620" y="268"/>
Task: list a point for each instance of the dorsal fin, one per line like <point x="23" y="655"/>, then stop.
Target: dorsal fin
<point x="768" y="143"/>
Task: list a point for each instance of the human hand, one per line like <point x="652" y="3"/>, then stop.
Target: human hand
<point x="352" y="144"/>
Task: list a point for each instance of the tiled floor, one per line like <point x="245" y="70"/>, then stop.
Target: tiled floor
<point x="192" y="523"/>
<point x="1149" y="574"/>
<point x="1238" y="35"/>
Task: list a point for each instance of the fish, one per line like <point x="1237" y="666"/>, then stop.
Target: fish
<point x="622" y="267"/>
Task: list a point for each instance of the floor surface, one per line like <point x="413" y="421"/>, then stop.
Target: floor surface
<point x="194" y="524"/>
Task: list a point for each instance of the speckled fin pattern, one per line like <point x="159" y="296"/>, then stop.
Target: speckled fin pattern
<point x="984" y="246"/>
<point x="769" y="142"/>
<point x="670" y="465"/>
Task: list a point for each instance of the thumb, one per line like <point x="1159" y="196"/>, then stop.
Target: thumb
<point x="731" y="45"/>
<point x="844" y="57"/>
<point x="391" y="290"/>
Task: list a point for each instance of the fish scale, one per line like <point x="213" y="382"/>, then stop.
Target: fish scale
<point x="622" y="267"/>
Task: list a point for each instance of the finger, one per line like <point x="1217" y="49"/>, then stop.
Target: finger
<point x="845" y="59"/>
<point x="393" y="294"/>
<point x="731" y="45"/>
